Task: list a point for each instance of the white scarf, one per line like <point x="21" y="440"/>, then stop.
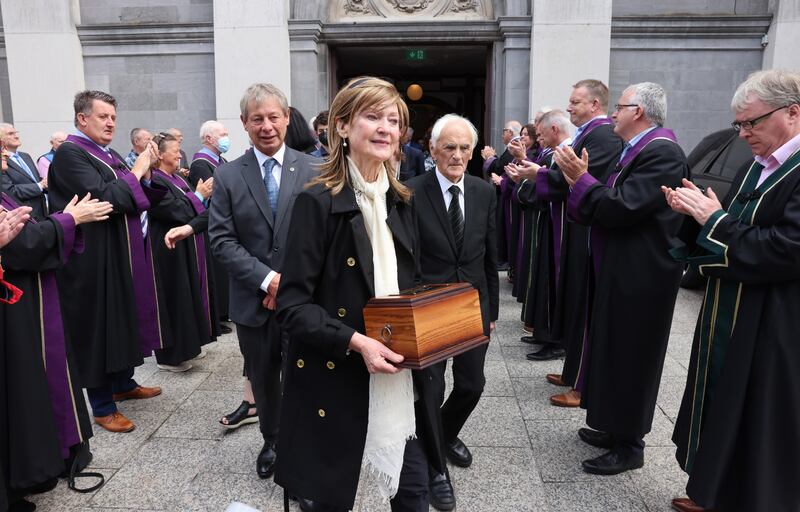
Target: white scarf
<point x="391" y="420"/>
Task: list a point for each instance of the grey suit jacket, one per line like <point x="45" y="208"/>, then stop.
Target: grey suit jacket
<point x="18" y="184"/>
<point x="244" y="236"/>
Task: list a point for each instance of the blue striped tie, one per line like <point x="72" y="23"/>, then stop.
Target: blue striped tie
<point x="18" y="159"/>
<point x="272" y="185"/>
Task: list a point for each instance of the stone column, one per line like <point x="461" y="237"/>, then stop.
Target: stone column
<point x="309" y="67"/>
<point x="784" y="36"/>
<point x="570" y="41"/>
<point x="511" y="67"/>
<point x="251" y="44"/>
<point x="45" y="67"/>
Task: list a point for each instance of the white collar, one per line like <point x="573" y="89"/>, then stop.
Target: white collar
<point x="445" y="184"/>
<point x="278" y="156"/>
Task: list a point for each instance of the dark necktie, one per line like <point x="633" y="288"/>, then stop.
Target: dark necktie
<point x="456" y="218"/>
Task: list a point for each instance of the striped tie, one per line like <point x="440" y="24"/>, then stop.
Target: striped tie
<point x="272" y="185"/>
<point x="143" y="220"/>
<point x="456" y="217"/>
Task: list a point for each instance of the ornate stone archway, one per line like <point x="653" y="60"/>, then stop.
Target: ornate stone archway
<point x="393" y="9"/>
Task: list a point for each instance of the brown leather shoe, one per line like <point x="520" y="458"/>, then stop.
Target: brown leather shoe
<point x="137" y="393"/>
<point x="555" y="378"/>
<point x="571" y="398"/>
<point x="687" y="505"/>
<point x="115" y="422"/>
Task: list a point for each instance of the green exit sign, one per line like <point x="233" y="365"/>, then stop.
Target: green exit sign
<point x="415" y="54"/>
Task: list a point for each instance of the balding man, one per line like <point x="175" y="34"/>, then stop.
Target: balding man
<point x="458" y="244"/>
<point x="139" y="139"/>
<point x="633" y="279"/>
<point x="43" y="162"/>
<point x="22" y="180"/>
<point x="737" y="429"/>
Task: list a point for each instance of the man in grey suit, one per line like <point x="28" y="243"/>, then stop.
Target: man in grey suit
<point x="248" y="224"/>
<point x="22" y="180"/>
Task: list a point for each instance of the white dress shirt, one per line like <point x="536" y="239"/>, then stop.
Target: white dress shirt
<point x="445" y="185"/>
<point x="276" y="173"/>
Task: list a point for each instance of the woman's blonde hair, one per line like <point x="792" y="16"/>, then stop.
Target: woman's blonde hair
<point x="358" y="95"/>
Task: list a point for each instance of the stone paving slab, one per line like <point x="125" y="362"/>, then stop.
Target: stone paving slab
<point x="526" y="452"/>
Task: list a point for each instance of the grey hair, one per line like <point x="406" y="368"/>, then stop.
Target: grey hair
<point x="55" y="135"/>
<point x="440" y="123"/>
<point x="539" y="113"/>
<point x="135" y="133"/>
<point x="5" y="128"/>
<point x="653" y="100"/>
<point x="514" y="125"/>
<point x="558" y="118"/>
<point x="261" y="92"/>
<point x="775" y="87"/>
<point x="208" y="127"/>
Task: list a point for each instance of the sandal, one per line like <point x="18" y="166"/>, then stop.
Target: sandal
<point x="241" y="416"/>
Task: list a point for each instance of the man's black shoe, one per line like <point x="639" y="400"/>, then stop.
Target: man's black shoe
<point x="614" y="462"/>
<point x="502" y="267"/>
<point x="265" y="464"/>
<point x="441" y="493"/>
<point x="547" y="353"/>
<point x="596" y="438"/>
<point x="458" y="453"/>
<point x="224" y="329"/>
<point x="529" y="339"/>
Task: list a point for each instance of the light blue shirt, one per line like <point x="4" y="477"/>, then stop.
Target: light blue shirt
<point x="210" y="153"/>
<point x="634" y="140"/>
<point x="584" y="125"/>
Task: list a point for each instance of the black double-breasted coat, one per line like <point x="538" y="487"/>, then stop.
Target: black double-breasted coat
<point x="324" y="287"/>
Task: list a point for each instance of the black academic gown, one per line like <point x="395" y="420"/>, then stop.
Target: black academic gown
<point x="108" y="324"/>
<point x="188" y="320"/>
<point x="201" y="168"/>
<point x="535" y="280"/>
<point x="739" y="410"/>
<point x="498" y="166"/>
<point x="38" y="424"/>
<point x="635" y="282"/>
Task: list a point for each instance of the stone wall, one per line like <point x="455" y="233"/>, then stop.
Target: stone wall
<point x="94" y="12"/>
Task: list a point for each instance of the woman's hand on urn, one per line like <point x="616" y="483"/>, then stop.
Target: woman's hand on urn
<point x="377" y="357"/>
<point x="88" y="209"/>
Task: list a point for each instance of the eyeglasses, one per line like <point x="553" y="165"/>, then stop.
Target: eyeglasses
<point x="749" y="124"/>
<point x="619" y="106"/>
<point x="508" y="130"/>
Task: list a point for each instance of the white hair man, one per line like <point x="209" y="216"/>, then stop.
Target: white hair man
<point x="459" y="246"/>
<point x="215" y="141"/>
<point x="734" y="429"/>
<point x="632" y="232"/>
<point x="22" y="180"/>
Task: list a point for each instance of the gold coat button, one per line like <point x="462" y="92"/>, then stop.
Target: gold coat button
<point x="351" y="262"/>
<point x="321" y="413"/>
<point x="300" y="363"/>
<point x="341" y="312"/>
<point x="330" y="365"/>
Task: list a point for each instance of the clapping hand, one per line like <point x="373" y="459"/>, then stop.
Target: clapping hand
<point x="205" y="188"/>
<point x="524" y="169"/>
<point x="690" y="200"/>
<point x="88" y="209"/>
<point x="570" y="165"/>
<point x="12" y="222"/>
<point x="488" y="152"/>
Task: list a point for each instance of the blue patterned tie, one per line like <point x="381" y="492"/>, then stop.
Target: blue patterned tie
<point x="272" y="185"/>
<point x="18" y="159"/>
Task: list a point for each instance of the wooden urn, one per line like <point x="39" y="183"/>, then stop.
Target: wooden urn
<point x="427" y="324"/>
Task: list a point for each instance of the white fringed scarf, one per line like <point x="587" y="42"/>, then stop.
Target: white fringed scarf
<point x="391" y="420"/>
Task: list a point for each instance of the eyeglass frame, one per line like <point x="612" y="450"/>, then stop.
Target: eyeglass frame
<point x="749" y="124"/>
<point x="618" y="107"/>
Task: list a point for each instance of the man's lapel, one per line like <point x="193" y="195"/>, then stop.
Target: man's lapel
<point x="436" y="199"/>
<point x="19" y="170"/>
<point x="288" y="181"/>
<point x="252" y="176"/>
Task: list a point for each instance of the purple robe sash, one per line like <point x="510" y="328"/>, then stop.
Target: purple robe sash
<point x="139" y="250"/>
<point x="658" y="133"/>
<point x="594" y="123"/>
<point x="59" y="378"/>
<point x="207" y="158"/>
<point x="199" y="242"/>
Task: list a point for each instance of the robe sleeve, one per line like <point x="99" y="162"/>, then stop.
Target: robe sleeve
<point x="173" y="208"/>
<point x="71" y="173"/>
<point x="42" y="246"/>
<point x="490" y="260"/>
<point x="199" y="169"/>
<point x="637" y="198"/>
<point x="751" y="254"/>
<point x="200" y="223"/>
<point x="297" y="312"/>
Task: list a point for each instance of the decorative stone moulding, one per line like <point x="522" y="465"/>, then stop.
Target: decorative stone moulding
<point x="394" y="9"/>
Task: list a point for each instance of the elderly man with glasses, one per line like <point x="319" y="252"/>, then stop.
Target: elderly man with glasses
<point x="633" y="279"/>
<point x="737" y="430"/>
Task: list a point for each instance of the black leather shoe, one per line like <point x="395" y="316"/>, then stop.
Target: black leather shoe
<point x="458" y="453"/>
<point x="441" y="493"/>
<point x="265" y="464"/>
<point x="613" y="463"/>
<point x="224" y="329"/>
<point x="547" y="353"/>
<point x="529" y="339"/>
<point x="596" y="438"/>
<point x="313" y="506"/>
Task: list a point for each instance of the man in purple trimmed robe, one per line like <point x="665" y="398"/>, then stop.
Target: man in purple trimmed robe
<point x="108" y="292"/>
<point x="633" y="276"/>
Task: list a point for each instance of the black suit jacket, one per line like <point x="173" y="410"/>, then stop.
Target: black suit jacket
<point x="324" y="288"/>
<point x="244" y="236"/>
<point x="413" y="163"/>
<point x="18" y="184"/>
<point x="439" y="260"/>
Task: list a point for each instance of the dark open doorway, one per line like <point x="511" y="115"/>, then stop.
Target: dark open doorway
<point x="453" y="79"/>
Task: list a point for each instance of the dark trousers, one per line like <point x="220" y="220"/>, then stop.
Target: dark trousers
<point x="468" y="383"/>
<point x="262" y="348"/>
<point x="412" y="495"/>
<point x="628" y="445"/>
<point x="102" y="398"/>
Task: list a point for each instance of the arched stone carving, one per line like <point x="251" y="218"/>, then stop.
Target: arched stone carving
<point x="398" y="9"/>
